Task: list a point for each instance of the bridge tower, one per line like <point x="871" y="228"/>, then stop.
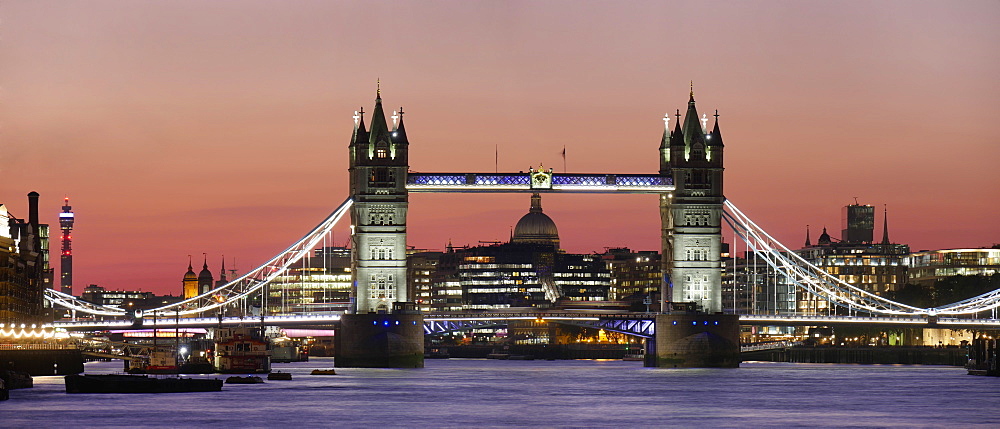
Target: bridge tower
<point x="378" y="165"/>
<point x="372" y="337"/>
<point x="692" y="215"/>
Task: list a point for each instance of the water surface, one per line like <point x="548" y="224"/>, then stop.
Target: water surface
<point x="490" y="393"/>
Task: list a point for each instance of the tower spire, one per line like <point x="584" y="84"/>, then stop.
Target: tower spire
<point x="885" y="225"/>
<point x="190" y="268"/>
<point x="808" y="244"/>
<point x="222" y="271"/>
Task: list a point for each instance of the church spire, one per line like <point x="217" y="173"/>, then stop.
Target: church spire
<point x="885" y="225"/>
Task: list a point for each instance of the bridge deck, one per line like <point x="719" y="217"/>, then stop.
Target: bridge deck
<point x="523" y="182"/>
<point x="564" y="317"/>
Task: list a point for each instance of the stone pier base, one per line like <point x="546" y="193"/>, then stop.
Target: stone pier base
<point x="695" y="340"/>
<point x="379" y="341"/>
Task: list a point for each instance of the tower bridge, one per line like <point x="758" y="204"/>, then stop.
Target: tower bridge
<point x="693" y="209"/>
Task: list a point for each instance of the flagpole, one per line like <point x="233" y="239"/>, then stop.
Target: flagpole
<point x="564" y="159"/>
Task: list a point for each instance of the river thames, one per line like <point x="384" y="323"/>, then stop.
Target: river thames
<point x="581" y="393"/>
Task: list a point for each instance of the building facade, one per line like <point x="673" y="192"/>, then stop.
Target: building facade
<point x="319" y="284"/>
<point x="929" y="266"/>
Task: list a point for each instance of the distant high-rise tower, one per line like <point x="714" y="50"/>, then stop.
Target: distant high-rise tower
<point x="66" y="219"/>
<point x="859" y="224"/>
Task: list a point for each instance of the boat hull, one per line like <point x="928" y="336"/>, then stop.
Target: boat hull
<point x="76" y="383"/>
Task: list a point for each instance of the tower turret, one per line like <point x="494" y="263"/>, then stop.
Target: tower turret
<point x="189" y="285"/>
<point x="714" y="143"/>
<point x="206" y="281"/>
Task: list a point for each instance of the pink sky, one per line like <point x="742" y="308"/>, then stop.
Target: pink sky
<point x="222" y="127"/>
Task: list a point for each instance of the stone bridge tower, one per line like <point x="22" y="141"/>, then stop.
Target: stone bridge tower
<point x="692" y="215"/>
<point x="378" y="166"/>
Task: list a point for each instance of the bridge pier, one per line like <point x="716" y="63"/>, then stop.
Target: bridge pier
<point x="695" y="340"/>
<point x="380" y="341"/>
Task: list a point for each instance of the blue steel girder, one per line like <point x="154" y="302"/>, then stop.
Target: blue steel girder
<point x="438" y="327"/>
<point x="536" y="181"/>
<point x="645" y="328"/>
<point x="629" y="324"/>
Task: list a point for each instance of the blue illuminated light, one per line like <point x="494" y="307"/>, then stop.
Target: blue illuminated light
<point x="386" y="323"/>
<point x="397" y="322"/>
<point x="716" y="322"/>
<point x="694" y="323"/>
<point x="675" y="322"/>
<point x="374" y="322"/>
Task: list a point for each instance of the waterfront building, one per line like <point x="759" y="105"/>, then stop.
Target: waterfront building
<point x="24" y="265"/>
<point x="635" y="275"/>
<point x="583" y="280"/>
<point x="319" y="284"/>
<point x="421" y="267"/>
<point x="929" y="266"/>
<point x="527" y="271"/>
<point x="131" y="299"/>
<point x="879" y="268"/>
<point x="446" y="289"/>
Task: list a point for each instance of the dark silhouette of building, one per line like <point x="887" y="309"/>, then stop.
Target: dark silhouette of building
<point x="858" y="224"/>
<point x="24" y="265"/>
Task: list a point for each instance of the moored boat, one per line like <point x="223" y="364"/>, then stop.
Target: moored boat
<point x="113" y="383"/>
<point x="437" y="353"/>
<point x="250" y="379"/>
<point x="242" y="350"/>
<point x="323" y="372"/>
<point x="279" y="376"/>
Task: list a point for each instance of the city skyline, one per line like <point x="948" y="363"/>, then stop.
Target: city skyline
<point x="185" y="128"/>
